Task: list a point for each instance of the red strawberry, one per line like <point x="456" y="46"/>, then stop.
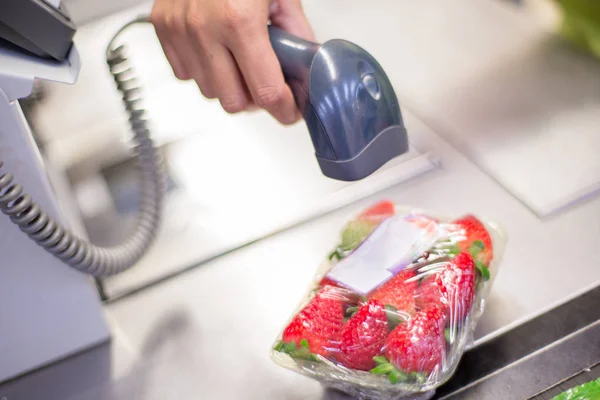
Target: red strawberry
<point x="452" y="289"/>
<point x="326" y="281"/>
<point x="363" y="336"/>
<point x="397" y="292"/>
<point x="418" y="345"/>
<point x="319" y="323"/>
<point x="378" y="212"/>
<point x="475" y="231"/>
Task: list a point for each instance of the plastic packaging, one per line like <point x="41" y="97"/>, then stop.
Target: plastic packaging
<point x="394" y="306"/>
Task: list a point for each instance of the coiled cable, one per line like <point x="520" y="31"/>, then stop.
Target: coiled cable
<point x="64" y="244"/>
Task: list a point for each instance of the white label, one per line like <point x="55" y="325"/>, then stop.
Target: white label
<point x="393" y="245"/>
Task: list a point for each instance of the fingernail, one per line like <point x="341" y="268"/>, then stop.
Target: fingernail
<point x="274" y="7"/>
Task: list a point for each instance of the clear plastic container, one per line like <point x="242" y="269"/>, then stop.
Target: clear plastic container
<point x="394" y="306"/>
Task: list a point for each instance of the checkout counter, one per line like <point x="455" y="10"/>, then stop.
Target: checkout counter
<point x="503" y="119"/>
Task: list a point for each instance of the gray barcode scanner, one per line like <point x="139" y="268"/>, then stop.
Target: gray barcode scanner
<point x="347" y="101"/>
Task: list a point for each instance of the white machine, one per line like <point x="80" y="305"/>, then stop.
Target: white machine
<point x="50" y="307"/>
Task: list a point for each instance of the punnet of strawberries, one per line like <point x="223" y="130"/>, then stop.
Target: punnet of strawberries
<point x="408" y="333"/>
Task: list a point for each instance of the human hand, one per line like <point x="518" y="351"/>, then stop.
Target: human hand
<point x="224" y="46"/>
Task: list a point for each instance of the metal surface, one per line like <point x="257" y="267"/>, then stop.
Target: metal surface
<point x="585" y="376"/>
<point x="506" y="352"/>
<point x="204" y="218"/>
<point x="541" y="370"/>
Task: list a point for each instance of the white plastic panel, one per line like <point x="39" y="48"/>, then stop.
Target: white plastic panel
<point x="20" y="66"/>
<point x="48" y="310"/>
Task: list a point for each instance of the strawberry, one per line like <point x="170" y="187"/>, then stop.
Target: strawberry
<point x="419" y="344"/>
<point x="378" y="212"/>
<point x="452" y="289"/>
<point x="397" y="292"/>
<point x="317" y="326"/>
<point x="326" y="281"/>
<point x="363" y="336"/>
<point x="356" y="231"/>
<point x="478" y="240"/>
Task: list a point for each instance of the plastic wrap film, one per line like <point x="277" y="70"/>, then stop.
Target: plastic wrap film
<point x="395" y="304"/>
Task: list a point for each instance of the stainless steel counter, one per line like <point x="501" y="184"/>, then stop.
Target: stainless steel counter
<point x="207" y="333"/>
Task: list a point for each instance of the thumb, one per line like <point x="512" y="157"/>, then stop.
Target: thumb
<point x="289" y="16"/>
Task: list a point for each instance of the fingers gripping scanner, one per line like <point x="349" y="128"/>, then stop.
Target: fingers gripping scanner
<point x="347" y="101"/>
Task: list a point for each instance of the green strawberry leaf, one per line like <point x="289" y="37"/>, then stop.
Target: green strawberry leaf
<point x="337" y="254"/>
<point x="397" y="376"/>
<point x="454" y="250"/>
<point x="380" y="360"/>
<point x="392" y="316"/>
<point x="383" y="369"/>
<point x="298" y="353"/>
<point x="332" y="255"/>
<point x="476" y="247"/>
<point x="302" y="354"/>
<point x="482" y="270"/>
<point x="289" y="347"/>
<point x="419" y="377"/>
<point x="354" y="234"/>
<point x="350" y="311"/>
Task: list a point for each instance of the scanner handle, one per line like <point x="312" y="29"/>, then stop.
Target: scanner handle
<point x="295" y="56"/>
